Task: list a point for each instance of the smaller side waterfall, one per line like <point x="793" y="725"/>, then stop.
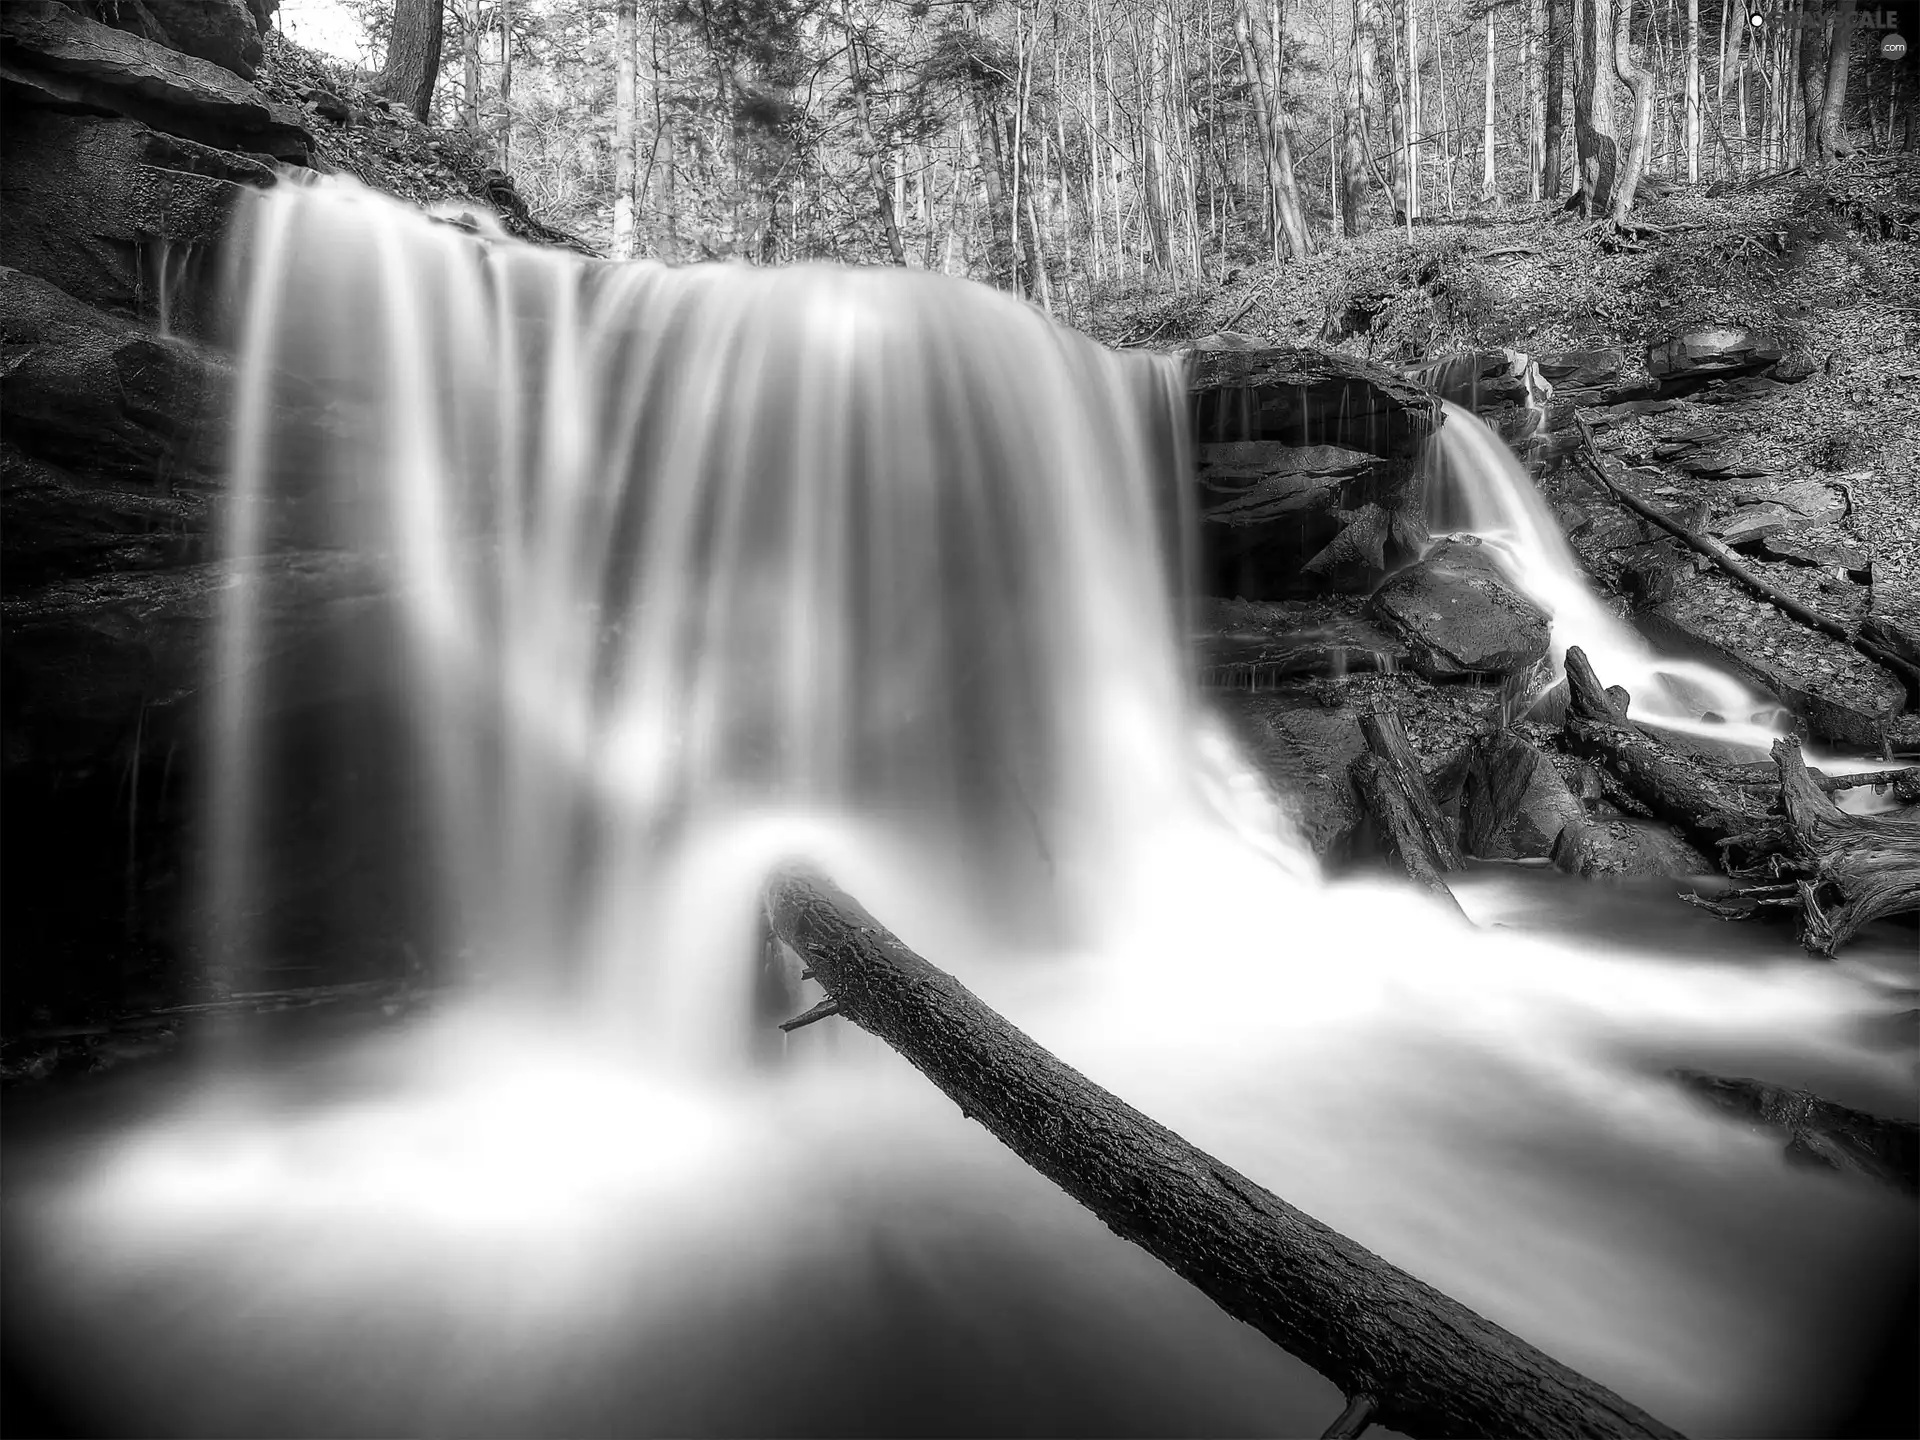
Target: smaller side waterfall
<point x="1477" y="486"/>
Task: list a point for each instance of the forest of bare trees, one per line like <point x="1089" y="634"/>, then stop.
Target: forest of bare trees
<point x="1047" y="146"/>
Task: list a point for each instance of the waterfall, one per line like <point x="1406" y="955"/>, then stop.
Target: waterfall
<point x="1478" y="486"/>
<point x="700" y="567"/>
<point x="663" y="576"/>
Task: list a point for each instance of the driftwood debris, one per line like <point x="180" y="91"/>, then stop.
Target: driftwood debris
<point x="1818" y="1132"/>
<point x="1394" y="788"/>
<point x="1712" y="811"/>
<point x="1840" y="871"/>
<point x="1429" y="1366"/>
<point x="1588" y="458"/>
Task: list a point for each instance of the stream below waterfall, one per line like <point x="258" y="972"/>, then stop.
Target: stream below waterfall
<point x="689" y="572"/>
<point x="475" y="1224"/>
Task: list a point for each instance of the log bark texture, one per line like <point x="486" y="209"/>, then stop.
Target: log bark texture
<point x="1401" y="768"/>
<point x="1432" y="1366"/>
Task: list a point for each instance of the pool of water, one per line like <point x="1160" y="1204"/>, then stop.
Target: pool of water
<point x="484" y="1225"/>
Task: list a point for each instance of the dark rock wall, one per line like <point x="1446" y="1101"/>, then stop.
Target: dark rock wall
<point x="127" y="147"/>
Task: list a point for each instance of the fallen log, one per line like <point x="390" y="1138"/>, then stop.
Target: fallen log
<point x="1394" y="811"/>
<point x="1718" y="815"/>
<point x="1429" y="1366"/>
<point x="1854" y="869"/>
<point x="1401" y="771"/>
<point x="1588" y="459"/>
<point x="1393" y="787"/>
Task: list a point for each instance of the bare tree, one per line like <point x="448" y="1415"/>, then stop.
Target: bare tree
<point x="1639" y="83"/>
<point x="1261" y="56"/>
<point x="625" y="40"/>
<point x="1486" y="128"/>
<point x="860" y="70"/>
<point x="1534" y="34"/>
<point x="1558" y="43"/>
<point x="1355" y="155"/>
<point x="1692" y="97"/>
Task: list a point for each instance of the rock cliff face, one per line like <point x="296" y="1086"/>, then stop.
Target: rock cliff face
<point x="1307" y="470"/>
<point x="128" y="146"/>
<point x="1296" y="520"/>
<point x="134" y="129"/>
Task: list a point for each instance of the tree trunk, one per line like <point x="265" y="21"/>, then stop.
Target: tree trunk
<point x="1792" y="136"/>
<point x="1559" y="41"/>
<point x="1360" y="88"/>
<point x="1262" y="61"/>
<point x="1398" y="115"/>
<point x="858" y="63"/>
<point x="1593" y="127"/>
<point x="1409" y="1357"/>
<point x="626" y="28"/>
<point x="1536" y="33"/>
<point x="413" y="56"/>
<point x="505" y="17"/>
<point x="1639" y="83"/>
<point x="665" y="135"/>
<point x="1486" y="127"/>
<point x="1728" y="48"/>
<point x="1416" y="147"/>
<point x="470" y="68"/>
<point x="1692" y="97"/>
<point x="1833" y="121"/>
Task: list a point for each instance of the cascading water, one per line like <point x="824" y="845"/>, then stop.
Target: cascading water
<point x="1477" y="485"/>
<point x="688" y="555"/>
<point x="689" y="571"/>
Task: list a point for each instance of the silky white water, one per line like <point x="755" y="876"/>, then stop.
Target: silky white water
<point x="1478" y="486"/>
<point x="690" y="572"/>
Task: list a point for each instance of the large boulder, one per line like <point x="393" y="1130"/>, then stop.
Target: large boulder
<point x="1294" y="446"/>
<point x="1460" y="617"/>
<point x="58" y="57"/>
